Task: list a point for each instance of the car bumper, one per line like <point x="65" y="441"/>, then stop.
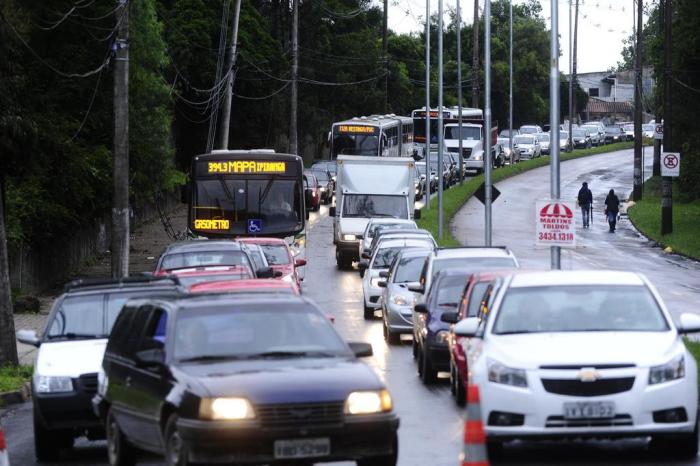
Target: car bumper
<point x="348" y="248"/>
<point x="526" y="155"/>
<point x="473" y="164"/>
<point x="66" y="411"/>
<point x="544" y="411"/>
<point x="372" y="296"/>
<point x="399" y="319"/>
<point x="221" y="442"/>
<point x="439" y="356"/>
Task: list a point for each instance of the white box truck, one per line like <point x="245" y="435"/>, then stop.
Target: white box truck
<point x="369" y="187"/>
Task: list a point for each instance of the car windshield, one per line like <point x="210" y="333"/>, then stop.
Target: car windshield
<point x="528" y="130"/>
<point x="468" y="132"/>
<point x="586" y="308"/>
<point x="543" y="137"/>
<point x="629" y="127"/>
<point x="220" y="332"/>
<point x="409" y="268"/>
<point x="321" y="176"/>
<point x="384" y="257"/>
<point x="184" y="260"/>
<point x="647" y="127"/>
<point x="612" y="129"/>
<point x="450" y="289"/>
<point x="477" y="294"/>
<point x="579" y="133"/>
<point x="473" y="263"/>
<point x="276" y="254"/>
<point x="524" y="140"/>
<point x="190" y="280"/>
<point x="374" y="205"/>
<point x="563" y="134"/>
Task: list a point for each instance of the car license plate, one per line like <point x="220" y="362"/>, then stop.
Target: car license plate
<point x="589" y="410"/>
<point x="302" y="448"/>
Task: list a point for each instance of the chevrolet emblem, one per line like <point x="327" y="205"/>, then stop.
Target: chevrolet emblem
<point x="588" y="374"/>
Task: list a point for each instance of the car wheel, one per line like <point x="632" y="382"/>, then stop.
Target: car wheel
<point x="415" y="348"/>
<point x="47" y="444"/>
<point x="460" y="391"/>
<point x="390" y="337"/>
<point x="369" y="313"/>
<point x="119" y="451"/>
<point x="386" y="460"/>
<point x="175" y="448"/>
<point x="425" y="368"/>
<point x="682" y="447"/>
<point x="494" y="449"/>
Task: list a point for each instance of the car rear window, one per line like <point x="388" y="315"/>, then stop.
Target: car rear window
<point x="204" y="258"/>
<point x="473" y="263"/>
<point x="276" y="254"/>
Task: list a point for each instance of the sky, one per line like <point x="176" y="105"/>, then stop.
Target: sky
<point x="603" y="24"/>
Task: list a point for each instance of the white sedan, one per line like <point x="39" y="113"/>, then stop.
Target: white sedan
<point x="583" y="354"/>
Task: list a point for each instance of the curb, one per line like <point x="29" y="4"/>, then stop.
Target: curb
<point x="660" y="244"/>
<point x="16" y="396"/>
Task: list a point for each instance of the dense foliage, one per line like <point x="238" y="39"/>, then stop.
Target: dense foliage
<point x="56" y="127"/>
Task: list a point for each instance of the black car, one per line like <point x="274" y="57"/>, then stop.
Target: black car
<point x="582" y="139"/>
<point x="614" y="134"/>
<point x="247" y="380"/>
<point x="70" y="353"/>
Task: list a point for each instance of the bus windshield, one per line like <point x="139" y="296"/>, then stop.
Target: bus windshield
<point x="243" y="205"/>
<point x="355" y="143"/>
<point x="419" y="129"/>
<point x="374" y="205"/>
<point x="468" y="132"/>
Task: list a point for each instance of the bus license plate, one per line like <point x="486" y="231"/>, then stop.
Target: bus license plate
<point x="302" y="448"/>
<point x="589" y="410"/>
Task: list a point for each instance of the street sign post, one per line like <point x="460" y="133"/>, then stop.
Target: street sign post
<point x="480" y="193"/>
<point x="670" y="164"/>
<point x="658" y="131"/>
<point x="556" y="224"/>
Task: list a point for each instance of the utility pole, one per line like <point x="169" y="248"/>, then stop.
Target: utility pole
<point x="428" y="177"/>
<point x="441" y="133"/>
<point x="571" y="84"/>
<point x="385" y="52"/>
<point x="574" y="112"/>
<point x="8" y="344"/>
<point x="510" y="82"/>
<point x="488" y="162"/>
<point x="667" y="186"/>
<point x="459" y="90"/>
<point x="475" y="57"/>
<point x="228" y="98"/>
<point x="638" y="155"/>
<point x="293" y="142"/>
<point x="120" y="202"/>
<point x="554" y="120"/>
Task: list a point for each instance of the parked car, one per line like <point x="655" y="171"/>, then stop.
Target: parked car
<point x="564" y="141"/>
<point x="584" y="354"/>
<point x="582" y="139"/>
<point x="397" y="300"/>
<point x="382" y="223"/>
<point x="594" y="134"/>
<point x="600" y="127"/>
<point x="312" y="192"/>
<point x="429" y="180"/>
<point x="505" y="133"/>
<point x="257" y="378"/>
<point x="69" y="355"/>
<point x="543" y="140"/>
<point x="528" y="145"/>
<point x="628" y="131"/>
<point x="206" y="253"/>
<point x="648" y="130"/>
<point x="326" y="184"/>
<point x="530" y="129"/>
<point x="505" y="143"/>
<point x="279" y="257"/>
<point x="613" y="134"/>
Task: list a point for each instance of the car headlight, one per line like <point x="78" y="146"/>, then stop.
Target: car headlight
<point x="226" y="409"/>
<point x="478" y="156"/>
<point x="401" y="300"/>
<point x="288" y="278"/>
<point x="675" y="369"/>
<point x="442" y="336"/>
<point x="349" y="237"/>
<point x="368" y="402"/>
<point x="498" y="373"/>
<point x="323" y="190"/>
<point x="52" y="384"/>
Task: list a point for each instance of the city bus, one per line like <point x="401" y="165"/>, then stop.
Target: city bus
<point x="375" y="135"/>
<point x="449" y="115"/>
<point x="243" y="193"/>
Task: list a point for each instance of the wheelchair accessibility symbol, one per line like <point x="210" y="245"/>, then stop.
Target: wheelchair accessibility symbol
<point x="254" y="225"/>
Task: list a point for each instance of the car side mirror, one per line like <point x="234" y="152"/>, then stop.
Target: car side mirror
<point x="421" y="308"/>
<point x="689" y="323"/>
<point x="381" y="283"/>
<point x="417" y="289"/>
<point x="150" y="357"/>
<point x="28" y="337"/>
<point x="384" y="274"/>
<point x="265" y="272"/>
<point x="331" y="211"/>
<point x="361" y="349"/>
<point x="467" y="327"/>
<point x="449" y="317"/>
<point x="299" y="262"/>
<point x="416" y="214"/>
<point x="363" y="265"/>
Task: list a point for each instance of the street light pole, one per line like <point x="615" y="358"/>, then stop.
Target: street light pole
<point x="440" y="122"/>
<point x="459" y="90"/>
<point x="487" y="122"/>
<point x="554" y="119"/>
<point x="666" y="183"/>
<point x="638" y="156"/>
<point x="571" y="83"/>
<point x="428" y="176"/>
<point x="510" y="84"/>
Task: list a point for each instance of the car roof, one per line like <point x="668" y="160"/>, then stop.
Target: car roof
<point x="101" y="285"/>
<point x="446" y="253"/>
<point x="239" y="300"/>
<point x="393" y="242"/>
<point x="256" y="285"/>
<point x="262" y="240"/>
<point x="202" y="245"/>
<point x="402" y="231"/>
<point x="576" y="277"/>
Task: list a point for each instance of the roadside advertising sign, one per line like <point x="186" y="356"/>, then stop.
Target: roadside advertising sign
<point x="658" y="131"/>
<point x="556" y="225"/>
<point x="670" y="164"/>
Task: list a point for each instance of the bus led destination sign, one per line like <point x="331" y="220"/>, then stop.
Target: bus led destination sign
<point x="358" y="129"/>
<point x="211" y="224"/>
<point x="246" y="166"/>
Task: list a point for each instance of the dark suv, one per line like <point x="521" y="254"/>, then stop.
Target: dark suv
<point x="70" y="355"/>
<point x="248" y="379"/>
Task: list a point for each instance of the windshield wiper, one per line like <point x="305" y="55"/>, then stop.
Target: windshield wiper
<point x="448" y="304"/>
<point x="292" y="354"/>
<point x="76" y="336"/>
<point x="214" y="357"/>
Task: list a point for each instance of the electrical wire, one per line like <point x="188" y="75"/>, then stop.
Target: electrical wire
<point x="264" y="97"/>
<point x="65" y="16"/>
<point x="690" y="88"/>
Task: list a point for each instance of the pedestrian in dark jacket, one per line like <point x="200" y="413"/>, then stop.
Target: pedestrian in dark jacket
<point x="585" y="201"/>
<point x="612" y="208"/>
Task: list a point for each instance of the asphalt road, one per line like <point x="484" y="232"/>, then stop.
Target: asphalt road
<point x="431" y="425"/>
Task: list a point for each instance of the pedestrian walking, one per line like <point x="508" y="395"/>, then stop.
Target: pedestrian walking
<point x="585" y="202"/>
<point x="612" y="209"/>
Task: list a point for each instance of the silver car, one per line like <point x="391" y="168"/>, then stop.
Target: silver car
<point x="397" y="300"/>
<point x="528" y="145"/>
<point x="376" y="224"/>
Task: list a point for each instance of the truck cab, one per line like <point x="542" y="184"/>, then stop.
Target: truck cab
<point x="472" y="136"/>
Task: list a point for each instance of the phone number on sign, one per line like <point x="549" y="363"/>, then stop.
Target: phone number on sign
<point x="550" y="236"/>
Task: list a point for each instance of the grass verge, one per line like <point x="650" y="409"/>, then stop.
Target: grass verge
<point x="12" y="378"/>
<point x="646" y="217"/>
<point x="455" y="197"/>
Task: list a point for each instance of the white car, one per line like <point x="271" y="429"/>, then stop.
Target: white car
<point x="382" y="257"/>
<point x="375" y="224"/>
<point x="528" y="145"/>
<point x="584" y="354"/>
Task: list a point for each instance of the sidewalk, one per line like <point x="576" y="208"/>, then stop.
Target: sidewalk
<point x="147" y="242"/>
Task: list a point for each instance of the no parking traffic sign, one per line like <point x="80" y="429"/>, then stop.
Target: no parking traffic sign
<point x="658" y="131"/>
<point x="670" y="164"/>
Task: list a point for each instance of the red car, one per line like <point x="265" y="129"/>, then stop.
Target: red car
<point x="193" y="275"/>
<point x="279" y="258"/>
<point x="480" y="288"/>
<point x="312" y="192"/>
<point x="258" y="285"/>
